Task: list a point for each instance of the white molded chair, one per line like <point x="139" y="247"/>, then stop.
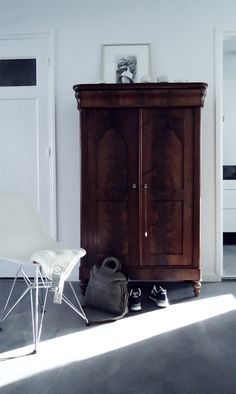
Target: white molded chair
<point x="25" y="241"/>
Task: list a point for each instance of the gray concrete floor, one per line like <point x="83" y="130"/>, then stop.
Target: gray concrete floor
<point x="188" y="348"/>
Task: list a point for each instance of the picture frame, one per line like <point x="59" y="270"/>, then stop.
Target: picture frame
<point x="125" y="63"/>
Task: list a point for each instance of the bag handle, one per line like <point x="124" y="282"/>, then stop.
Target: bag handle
<point x="117" y="263"/>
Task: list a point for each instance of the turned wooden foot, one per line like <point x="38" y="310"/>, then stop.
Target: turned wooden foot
<point x="197" y="287"/>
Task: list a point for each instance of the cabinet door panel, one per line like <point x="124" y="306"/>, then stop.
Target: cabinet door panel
<point x="167" y="176"/>
<point x="112" y="227"/>
<point x="166" y="230"/>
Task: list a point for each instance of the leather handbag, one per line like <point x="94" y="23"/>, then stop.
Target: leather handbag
<point x="107" y="289"/>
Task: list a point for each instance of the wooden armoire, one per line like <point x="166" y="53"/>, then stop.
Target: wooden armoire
<point x="140" y="188"/>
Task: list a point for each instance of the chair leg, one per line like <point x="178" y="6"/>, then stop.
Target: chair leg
<point x="42" y="313"/>
<point x="5" y="315"/>
<point x="79" y="311"/>
<point x="42" y="290"/>
<point x="35" y="309"/>
<point x="36" y="322"/>
<point x="33" y="316"/>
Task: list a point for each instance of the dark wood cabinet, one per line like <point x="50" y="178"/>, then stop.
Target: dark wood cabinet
<point x="141" y="178"/>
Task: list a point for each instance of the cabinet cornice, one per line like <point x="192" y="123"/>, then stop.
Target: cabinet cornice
<point x="141" y="95"/>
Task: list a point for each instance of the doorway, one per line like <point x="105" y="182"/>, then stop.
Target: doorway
<point x="229" y="155"/>
<point x="27" y="132"/>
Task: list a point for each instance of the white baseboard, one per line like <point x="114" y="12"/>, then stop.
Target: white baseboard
<point x="211" y="278"/>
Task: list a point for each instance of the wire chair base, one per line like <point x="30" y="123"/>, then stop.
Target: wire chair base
<point x="38" y="289"/>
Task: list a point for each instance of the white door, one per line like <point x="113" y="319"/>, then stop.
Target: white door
<point x="27" y="162"/>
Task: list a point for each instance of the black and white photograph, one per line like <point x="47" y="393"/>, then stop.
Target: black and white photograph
<point x="123" y="63"/>
<point x="126" y="70"/>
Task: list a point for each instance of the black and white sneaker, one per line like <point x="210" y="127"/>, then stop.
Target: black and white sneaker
<point x="135" y="300"/>
<point x="159" y="297"/>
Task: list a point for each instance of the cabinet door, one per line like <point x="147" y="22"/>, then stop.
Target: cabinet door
<point x="167" y="181"/>
<point x="110" y="220"/>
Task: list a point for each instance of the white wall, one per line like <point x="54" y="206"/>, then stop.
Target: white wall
<point x="181" y="34"/>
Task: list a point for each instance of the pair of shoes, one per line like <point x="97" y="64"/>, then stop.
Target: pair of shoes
<point x="159" y="297"/>
<point x="135" y="299"/>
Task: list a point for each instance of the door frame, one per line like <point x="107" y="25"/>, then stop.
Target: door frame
<point x="219" y="37"/>
<point x="50" y="37"/>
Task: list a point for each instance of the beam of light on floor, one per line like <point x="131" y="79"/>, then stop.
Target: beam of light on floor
<point x="97" y="340"/>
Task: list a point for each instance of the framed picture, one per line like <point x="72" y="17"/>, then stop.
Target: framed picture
<point x="125" y="63"/>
